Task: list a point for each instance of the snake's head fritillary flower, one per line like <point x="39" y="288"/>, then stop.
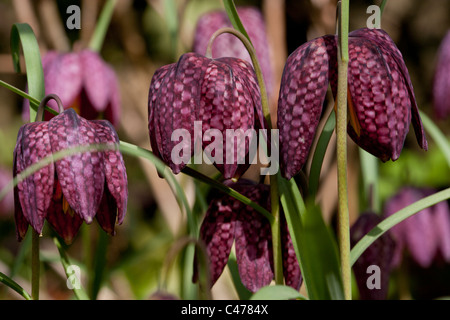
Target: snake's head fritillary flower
<point x="228" y="45"/>
<point x="76" y="188"/>
<point x="380" y="253"/>
<point x="228" y="221"/>
<point x="221" y="93"/>
<point x="84" y="82"/>
<point x="424" y="235"/>
<point x="441" y="85"/>
<point x="381" y="98"/>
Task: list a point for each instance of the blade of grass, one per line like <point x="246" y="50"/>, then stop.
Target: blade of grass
<point x="230" y="8"/>
<point x="277" y="292"/>
<point x="319" y="154"/>
<point x="101" y="28"/>
<point x="394" y="219"/>
<point x="436" y="134"/>
<point x="15" y="286"/>
<point x="22" y="34"/>
<point x="79" y="292"/>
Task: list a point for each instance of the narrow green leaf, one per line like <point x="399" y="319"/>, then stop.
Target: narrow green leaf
<point x="34" y="103"/>
<point x="394" y="219"/>
<point x="319" y="154"/>
<point x="369" y="173"/>
<point x="99" y="264"/>
<point x="314" y="244"/>
<point x="230" y="8"/>
<point x="171" y="15"/>
<point x="22" y="34"/>
<point x="242" y="291"/>
<point x="101" y="28"/>
<point x="227" y="190"/>
<point x="436" y="134"/>
<point x="79" y="292"/>
<point x="382" y="6"/>
<point x="14" y="285"/>
<point x="136" y="151"/>
<point x="277" y="292"/>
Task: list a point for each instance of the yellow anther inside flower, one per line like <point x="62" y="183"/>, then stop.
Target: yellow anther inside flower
<point x="353" y="119"/>
<point x="66" y="207"/>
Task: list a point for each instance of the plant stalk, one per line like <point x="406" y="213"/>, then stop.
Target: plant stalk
<point x="341" y="136"/>
<point x="98" y="37"/>
<point x="35" y="265"/>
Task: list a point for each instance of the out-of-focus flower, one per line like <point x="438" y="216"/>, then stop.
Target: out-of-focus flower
<point x="425" y="235"/>
<point x="441" y="85"/>
<point x="7" y="203"/>
<point x="227" y="45"/>
<point x="162" y="295"/>
<point x="228" y="220"/>
<point x="221" y="93"/>
<point x="380" y="253"/>
<point x="76" y="188"/>
<point x="84" y="82"/>
<point x="381" y="97"/>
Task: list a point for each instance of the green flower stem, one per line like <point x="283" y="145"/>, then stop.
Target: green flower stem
<point x="98" y="37"/>
<point x="15" y="286"/>
<point x="275" y="224"/>
<point x="35" y="265"/>
<point x="341" y="136"/>
<point x="383" y="4"/>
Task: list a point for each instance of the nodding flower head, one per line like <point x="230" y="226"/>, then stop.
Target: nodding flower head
<point x="220" y="93"/>
<point x="380" y="97"/>
<point x="76" y="188"/>
<point x="229" y="221"/>
<point x="84" y="82"/>
<point x="228" y="45"/>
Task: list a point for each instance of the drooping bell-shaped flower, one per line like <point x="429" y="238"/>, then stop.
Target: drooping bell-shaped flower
<point x="221" y="95"/>
<point x="426" y="234"/>
<point x="381" y="98"/>
<point x="379" y="254"/>
<point x="76" y="188"/>
<point x="228" y="221"/>
<point x="84" y="82"/>
<point x="441" y="81"/>
<point x="227" y="45"/>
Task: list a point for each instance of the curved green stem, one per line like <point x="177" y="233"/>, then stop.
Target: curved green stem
<point x="275" y="224"/>
<point x="341" y="137"/>
<point x="15" y="286"/>
<point x="248" y="45"/>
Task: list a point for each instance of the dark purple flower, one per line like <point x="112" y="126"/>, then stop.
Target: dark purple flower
<point x="75" y="188"/>
<point x="424" y="235"/>
<point x="381" y="97"/>
<point x="441" y="85"/>
<point x="221" y="93"/>
<point x="228" y="220"/>
<point x="379" y="254"/>
<point x="84" y="82"/>
<point x="227" y="45"/>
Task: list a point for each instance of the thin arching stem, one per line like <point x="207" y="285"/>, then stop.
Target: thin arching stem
<point x="275" y="223"/>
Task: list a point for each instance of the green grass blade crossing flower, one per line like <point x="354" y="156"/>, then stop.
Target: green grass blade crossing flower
<point x="242" y="34"/>
<point x="22" y="35"/>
